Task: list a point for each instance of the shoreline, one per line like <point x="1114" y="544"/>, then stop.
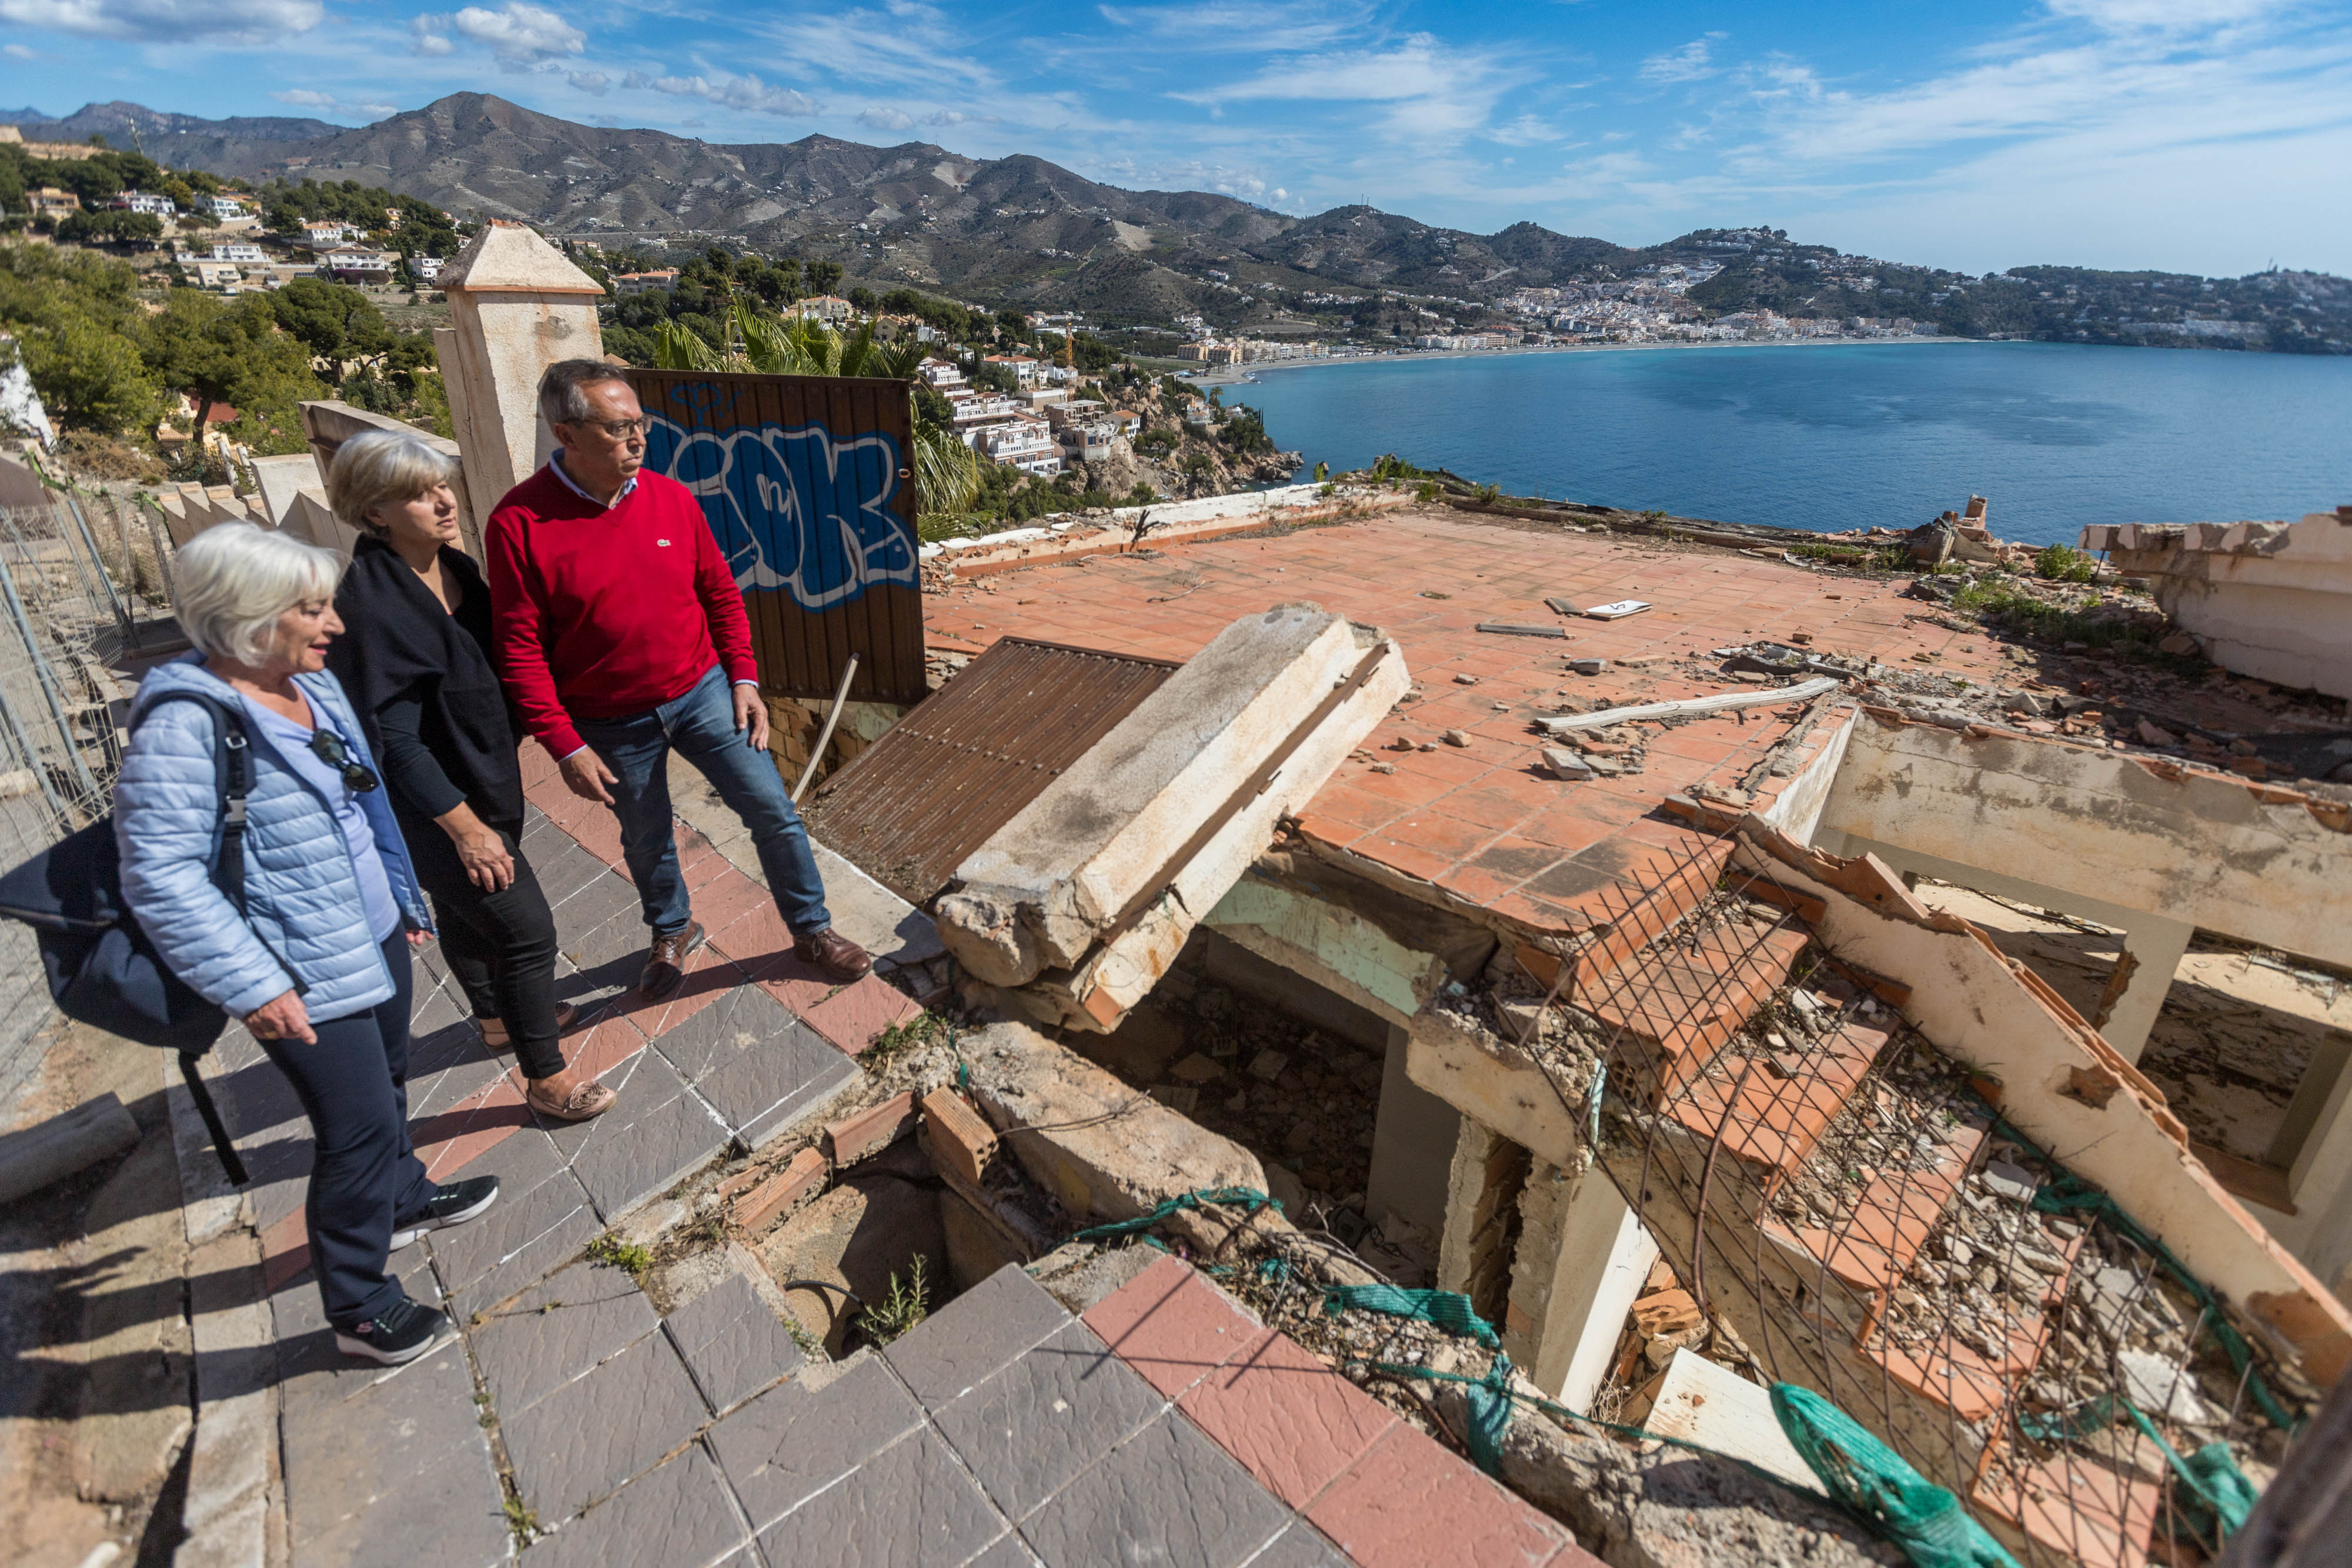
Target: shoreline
<point x="1234" y="375"/>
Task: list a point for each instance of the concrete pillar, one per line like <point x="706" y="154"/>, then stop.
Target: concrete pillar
<point x="1413" y="1141"/>
<point x="516" y="307"/>
<point x="1484" y="1181"/>
<point x="2153" y="948"/>
<point x="1583" y="1259"/>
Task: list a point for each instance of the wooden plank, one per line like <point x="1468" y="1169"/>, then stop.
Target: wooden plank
<point x="1721" y="702"/>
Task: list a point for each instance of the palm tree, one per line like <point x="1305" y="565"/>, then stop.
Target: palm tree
<point x="947" y="472"/>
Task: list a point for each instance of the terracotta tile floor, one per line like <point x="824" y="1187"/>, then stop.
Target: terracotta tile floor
<point x="1487" y="823"/>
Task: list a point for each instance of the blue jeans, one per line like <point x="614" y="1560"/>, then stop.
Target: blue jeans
<point x="701" y="727"/>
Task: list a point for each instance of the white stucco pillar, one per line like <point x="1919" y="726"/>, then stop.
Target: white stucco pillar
<point x="516" y="307"/>
<point x="1583" y="1259"/>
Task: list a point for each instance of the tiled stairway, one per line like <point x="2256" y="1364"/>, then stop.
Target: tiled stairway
<point x="1674" y="997"/>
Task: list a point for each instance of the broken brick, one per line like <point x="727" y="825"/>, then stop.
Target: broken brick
<point x="959" y="1138"/>
<point x="801" y="1174"/>
<point x="853" y="1138"/>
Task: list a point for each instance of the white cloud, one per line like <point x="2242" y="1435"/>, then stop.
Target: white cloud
<point x="1693" y="61"/>
<point x="885" y="118"/>
<point x="174" y="21"/>
<point x="1240" y="27"/>
<point x="904" y="44"/>
<point x="426" y="41"/>
<point x="959" y="116"/>
<point x="521" y="35"/>
<point x="746" y="92"/>
<point x="592" y="82"/>
<point x="2164" y="16"/>
<point x="17" y="52"/>
<point x="1428" y="90"/>
<point x="328" y="103"/>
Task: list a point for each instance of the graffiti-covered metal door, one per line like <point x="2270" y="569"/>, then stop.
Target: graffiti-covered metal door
<point x="807" y="483"/>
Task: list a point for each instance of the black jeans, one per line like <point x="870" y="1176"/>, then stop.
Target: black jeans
<point x="500" y="945"/>
<point x="366" y="1176"/>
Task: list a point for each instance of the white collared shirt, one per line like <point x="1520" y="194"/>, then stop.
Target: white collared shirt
<point x="555" y="467"/>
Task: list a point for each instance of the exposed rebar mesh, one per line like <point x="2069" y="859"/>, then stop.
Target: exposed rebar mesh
<point x="1851" y="1215"/>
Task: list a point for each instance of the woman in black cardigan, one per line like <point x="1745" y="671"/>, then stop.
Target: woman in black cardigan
<point x="415" y="661"/>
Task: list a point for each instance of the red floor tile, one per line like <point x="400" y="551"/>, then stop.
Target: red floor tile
<point x="1293" y="1421"/>
<point x="854" y="1016"/>
<point x="1408" y="1503"/>
<point x="1172" y="1325"/>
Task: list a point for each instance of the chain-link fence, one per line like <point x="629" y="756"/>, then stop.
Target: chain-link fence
<point x="85" y="595"/>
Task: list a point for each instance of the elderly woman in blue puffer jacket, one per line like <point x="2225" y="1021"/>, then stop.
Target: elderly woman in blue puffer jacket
<point x="317" y="966"/>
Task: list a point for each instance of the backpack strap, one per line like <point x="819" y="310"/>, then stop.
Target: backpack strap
<point x="233" y="781"/>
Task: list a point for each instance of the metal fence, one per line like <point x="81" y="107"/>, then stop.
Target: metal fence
<point x="85" y="593"/>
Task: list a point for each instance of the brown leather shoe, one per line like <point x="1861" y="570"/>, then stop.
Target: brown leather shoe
<point x="835" y="954"/>
<point x="666" y="963"/>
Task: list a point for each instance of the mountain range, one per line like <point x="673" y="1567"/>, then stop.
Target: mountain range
<point x="1019" y="230"/>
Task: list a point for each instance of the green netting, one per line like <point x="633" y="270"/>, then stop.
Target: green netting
<point x="1249" y="1200"/>
<point x="1875" y="1483"/>
<point x="2067" y="1193"/>
<point x="2214" y="1496"/>
<point x="1449" y="1309"/>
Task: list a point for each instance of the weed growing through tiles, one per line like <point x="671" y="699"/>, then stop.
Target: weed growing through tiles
<point x="905" y="1305"/>
<point x="610" y="1251"/>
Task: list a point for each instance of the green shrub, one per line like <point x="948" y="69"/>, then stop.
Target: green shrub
<point x="2063" y="563"/>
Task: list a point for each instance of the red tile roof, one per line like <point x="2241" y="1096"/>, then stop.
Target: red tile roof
<point x="1488" y="823"/>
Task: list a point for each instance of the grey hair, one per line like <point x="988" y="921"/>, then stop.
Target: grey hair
<point x="382" y="465"/>
<point x="563" y="388"/>
<point x="233" y="581"/>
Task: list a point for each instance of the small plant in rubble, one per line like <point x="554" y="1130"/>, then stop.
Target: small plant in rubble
<point x="905" y="1305"/>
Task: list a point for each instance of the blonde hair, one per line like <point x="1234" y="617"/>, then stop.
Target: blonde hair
<point x="382" y="465"/>
<point x="233" y="581"/>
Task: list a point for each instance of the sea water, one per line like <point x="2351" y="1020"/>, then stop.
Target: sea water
<point x="1850" y="435"/>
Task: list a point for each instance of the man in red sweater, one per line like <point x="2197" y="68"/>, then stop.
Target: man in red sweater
<point x="621" y="635"/>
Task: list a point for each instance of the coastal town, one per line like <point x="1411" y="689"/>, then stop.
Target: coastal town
<point x="1211" y="1009"/>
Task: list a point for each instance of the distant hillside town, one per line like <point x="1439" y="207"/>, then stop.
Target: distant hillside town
<point x="1020" y="233"/>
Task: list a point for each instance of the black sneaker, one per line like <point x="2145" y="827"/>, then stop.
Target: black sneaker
<point x="453" y="1205"/>
<point x="404" y="1332"/>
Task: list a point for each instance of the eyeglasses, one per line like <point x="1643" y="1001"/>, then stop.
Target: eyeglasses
<point x="618" y="429"/>
<point x="327" y="748"/>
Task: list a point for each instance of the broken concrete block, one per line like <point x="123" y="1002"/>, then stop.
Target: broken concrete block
<point x="1197" y="1069"/>
<point x="1588" y="666"/>
<point x="2005" y="1180"/>
<point x="1456" y="738"/>
<point x="1723" y="1413"/>
<point x="1102" y="1149"/>
<point x="1268" y="1065"/>
<point x="1567" y="764"/>
<point x="1042" y="890"/>
<point x="2156" y="1384"/>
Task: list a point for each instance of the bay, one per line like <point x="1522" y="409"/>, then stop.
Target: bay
<point x="1845" y="435"/>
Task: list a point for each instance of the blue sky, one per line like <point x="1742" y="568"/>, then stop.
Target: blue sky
<point x="2205" y="135"/>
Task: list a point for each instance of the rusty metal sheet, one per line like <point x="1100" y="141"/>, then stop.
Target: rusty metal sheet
<point x="808" y="483"/>
<point x="947" y="776"/>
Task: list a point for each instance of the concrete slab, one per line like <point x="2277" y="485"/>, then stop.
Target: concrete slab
<point x="468" y="1252"/>
<point x="587" y="1438"/>
<point x="972" y="1337"/>
<point x="1167" y="1495"/>
<point x="802" y="1437"/>
<point x="732" y="1343"/>
<point x="340" y="1472"/>
<point x="1054" y="1410"/>
<point x="679" y="1516"/>
<point x="671" y="1132"/>
<point x="556" y="1331"/>
<point x="1172" y="1326"/>
<point x="1287" y="1416"/>
<point x="911" y="1503"/>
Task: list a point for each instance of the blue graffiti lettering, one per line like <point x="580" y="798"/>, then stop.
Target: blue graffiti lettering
<point x="792" y="509"/>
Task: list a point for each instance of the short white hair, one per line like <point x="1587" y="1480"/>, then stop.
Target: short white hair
<point x="231" y="584"/>
<point x="382" y="465"/>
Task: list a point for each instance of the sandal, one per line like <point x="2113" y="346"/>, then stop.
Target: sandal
<point x="566" y="1015"/>
<point x="586" y="1102"/>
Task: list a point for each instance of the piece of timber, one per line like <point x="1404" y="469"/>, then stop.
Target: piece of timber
<point x="1721" y="702"/>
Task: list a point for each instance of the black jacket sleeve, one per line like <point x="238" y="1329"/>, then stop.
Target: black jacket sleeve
<point x="411" y="771"/>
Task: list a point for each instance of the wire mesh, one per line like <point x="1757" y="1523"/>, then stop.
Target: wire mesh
<point x="84" y="587"/>
<point x="1850" y="1214"/>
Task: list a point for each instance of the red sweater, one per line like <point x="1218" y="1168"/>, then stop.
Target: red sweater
<point x="601" y="614"/>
